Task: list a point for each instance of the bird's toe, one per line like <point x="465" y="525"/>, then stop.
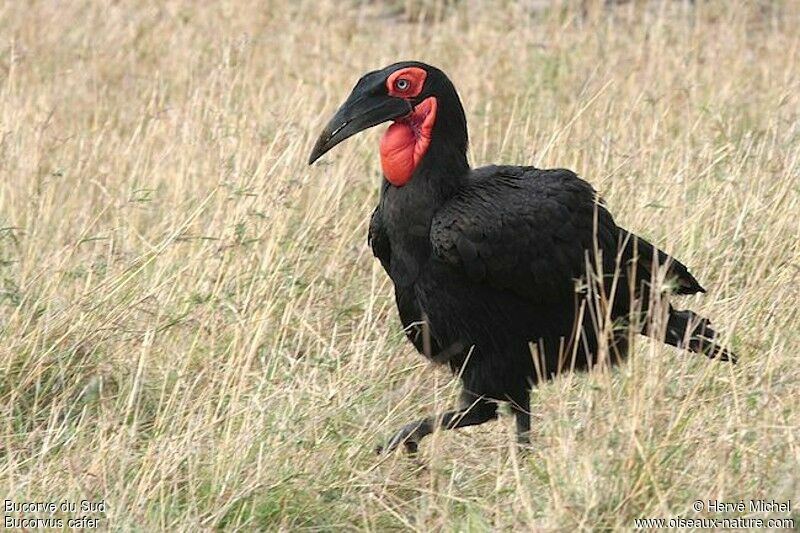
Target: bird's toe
<point x="407" y="436"/>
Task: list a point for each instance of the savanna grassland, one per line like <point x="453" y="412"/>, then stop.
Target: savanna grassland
<point x="193" y="329"/>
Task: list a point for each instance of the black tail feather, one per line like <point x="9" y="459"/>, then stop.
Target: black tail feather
<point x="686" y="329"/>
<point x="650" y="257"/>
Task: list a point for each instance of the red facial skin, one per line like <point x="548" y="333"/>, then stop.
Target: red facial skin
<point x="416" y="78"/>
<point x="406" y="141"/>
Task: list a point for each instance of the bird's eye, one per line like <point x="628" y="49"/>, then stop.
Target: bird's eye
<point x="402" y="84"/>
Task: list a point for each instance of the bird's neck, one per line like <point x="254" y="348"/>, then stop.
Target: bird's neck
<point x="409" y="205"/>
<point x="440" y="174"/>
<point x="408" y="211"/>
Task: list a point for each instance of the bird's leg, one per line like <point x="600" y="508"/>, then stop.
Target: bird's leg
<point x="522" y="414"/>
<point x="474" y="411"/>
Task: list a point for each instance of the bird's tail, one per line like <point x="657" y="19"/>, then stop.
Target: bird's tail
<point x="686" y="329"/>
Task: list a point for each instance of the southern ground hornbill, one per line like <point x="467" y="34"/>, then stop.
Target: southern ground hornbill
<point x="508" y="274"/>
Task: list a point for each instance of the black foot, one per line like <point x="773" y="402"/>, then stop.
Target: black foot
<point x="408" y="436"/>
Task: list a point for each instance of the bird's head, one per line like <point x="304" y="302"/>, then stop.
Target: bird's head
<point x="421" y="101"/>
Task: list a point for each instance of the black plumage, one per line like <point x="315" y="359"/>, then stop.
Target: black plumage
<point x="490" y="262"/>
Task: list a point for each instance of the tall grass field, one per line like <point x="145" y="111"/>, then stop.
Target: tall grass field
<point x="194" y="334"/>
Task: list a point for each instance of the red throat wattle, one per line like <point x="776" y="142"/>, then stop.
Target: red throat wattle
<point x="406" y="141"/>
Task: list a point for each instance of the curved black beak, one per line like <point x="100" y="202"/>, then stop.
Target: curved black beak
<point x="359" y="112"/>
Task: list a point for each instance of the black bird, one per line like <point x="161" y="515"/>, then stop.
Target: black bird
<point x="508" y="274"/>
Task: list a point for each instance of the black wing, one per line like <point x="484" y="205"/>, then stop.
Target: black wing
<point x="648" y="257"/>
<point x="533" y="232"/>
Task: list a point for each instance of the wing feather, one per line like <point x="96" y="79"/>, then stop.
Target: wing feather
<point x="532" y="231"/>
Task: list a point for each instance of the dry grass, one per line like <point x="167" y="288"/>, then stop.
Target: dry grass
<point x="194" y="329"/>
